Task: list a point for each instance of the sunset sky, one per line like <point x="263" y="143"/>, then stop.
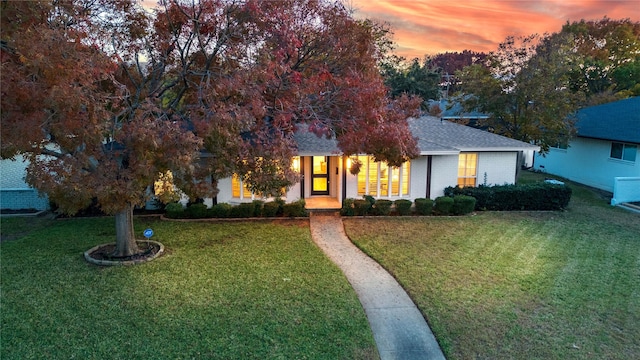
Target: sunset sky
<point x="433" y="26"/>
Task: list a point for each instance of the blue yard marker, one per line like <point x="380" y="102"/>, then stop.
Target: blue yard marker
<point x="148" y="233"/>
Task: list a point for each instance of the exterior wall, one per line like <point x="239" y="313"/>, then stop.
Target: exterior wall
<point x="444" y="173"/>
<point x="15" y="193"/>
<point x="418" y="178"/>
<point x="587" y="161"/>
<point x="498" y="167"/>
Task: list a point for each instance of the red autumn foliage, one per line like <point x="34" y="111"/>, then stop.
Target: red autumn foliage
<point x="221" y="89"/>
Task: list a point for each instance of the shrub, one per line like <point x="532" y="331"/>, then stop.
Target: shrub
<point x="271" y="209"/>
<point x="536" y="196"/>
<point x="361" y="207"/>
<point x="197" y="211"/>
<point x="382" y="207"/>
<point x="294" y="209"/>
<point x="370" y="199"/>
<point x="443" y="205"/>
<point x="424" y="206"/>
<point x="221" y="210"/>
<point x="463" y="204"/>
<point x="403" y="206"/>
<point x="174" y="210"/>
<point x="257" y="207"/>
<point x="347" y="207"/>
<point x="243" y="210"/>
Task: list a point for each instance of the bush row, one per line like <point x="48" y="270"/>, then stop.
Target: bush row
<point x="456" y="205"/>
<point x="536" y="196"/>
<point x="257" y="208"/>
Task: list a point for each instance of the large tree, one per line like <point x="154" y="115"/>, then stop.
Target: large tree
<point x="102" y="98"/>
<point x="607" y="58"/>
<point x="524" y="88"/>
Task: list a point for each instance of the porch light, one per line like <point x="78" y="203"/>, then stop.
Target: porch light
<point x="295" y="163"/>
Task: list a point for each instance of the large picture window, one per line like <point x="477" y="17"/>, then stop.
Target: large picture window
<point x="622" y="151"/>
<point x="467" y="169"/>
<point x="381" y="180"/>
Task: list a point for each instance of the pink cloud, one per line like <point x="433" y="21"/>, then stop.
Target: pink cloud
<point x="433" y="26"/>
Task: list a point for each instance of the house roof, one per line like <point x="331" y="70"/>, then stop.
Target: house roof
<point x="618" y="121"/>
<point x="310" y="144"/>
<point x="432" y="131"/>
<point x="435" y="137"/>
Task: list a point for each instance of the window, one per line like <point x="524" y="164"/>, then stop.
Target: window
<point x="381" y="180"/>
<point x="238" y="189"/>
<point x="622" y="151"/>
<point x="467" y="172"/>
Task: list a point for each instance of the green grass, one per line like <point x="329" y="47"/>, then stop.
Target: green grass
<point x="509" y="285"/>
<point x="222" y="291"/>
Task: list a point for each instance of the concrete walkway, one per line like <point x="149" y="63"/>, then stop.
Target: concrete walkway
<point x="398" y="327"/>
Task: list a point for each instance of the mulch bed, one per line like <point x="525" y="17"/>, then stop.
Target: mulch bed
<point x="147" y="250"/>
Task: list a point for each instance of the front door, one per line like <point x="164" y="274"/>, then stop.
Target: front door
<point x="319" y="175"/>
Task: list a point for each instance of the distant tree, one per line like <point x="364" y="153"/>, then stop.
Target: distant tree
<point x="607" y="53"/>
<point x="524" y="90"/>
<point x="414" y="78"/>
<point x="448" y="63"/>
<point x="221" y="90"/>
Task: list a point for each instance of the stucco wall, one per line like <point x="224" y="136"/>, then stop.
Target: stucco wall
<point x="587" y="161"/>
<point x="444" y="173"/>
<point x="499" y="168"/>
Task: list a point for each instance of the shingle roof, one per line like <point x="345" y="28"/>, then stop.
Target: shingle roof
<point x="435" y="137"/>
<point x="619" y="121"/>
<point x="445" y="134"/>
<point x="310" y="144"/>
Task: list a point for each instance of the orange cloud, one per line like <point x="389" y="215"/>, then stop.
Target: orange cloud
<point x="433" y="26"/>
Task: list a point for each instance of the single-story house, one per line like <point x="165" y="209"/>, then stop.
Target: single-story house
<point x="450" y="154"/>
<point x="607" y="146"/>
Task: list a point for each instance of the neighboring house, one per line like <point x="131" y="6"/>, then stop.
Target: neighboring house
<point x="15" y="193"/>
<point x="450" y="154"/>
<point x="607" y="146"/>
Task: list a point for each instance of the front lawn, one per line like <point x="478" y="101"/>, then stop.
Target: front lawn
<point x="223" y="291"/>
<point x="516" y="285"/>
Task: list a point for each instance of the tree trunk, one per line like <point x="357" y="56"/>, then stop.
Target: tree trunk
<point x="125" y="239"/>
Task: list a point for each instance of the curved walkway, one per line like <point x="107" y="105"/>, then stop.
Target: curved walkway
<point x="399" y="329"/>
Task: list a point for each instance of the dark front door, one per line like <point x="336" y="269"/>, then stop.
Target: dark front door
<point x="319" y="175"/>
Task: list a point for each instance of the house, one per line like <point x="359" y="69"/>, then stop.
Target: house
<point x="606" y="148"/>
<point x="15" y="193"/>
<point x="450" y="154"/>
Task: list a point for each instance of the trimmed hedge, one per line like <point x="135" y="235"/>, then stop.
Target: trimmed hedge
<point x="443" y="205"/>
<point x="361" y="207"/>
<point x="382" y="207"/>
<point x="348" y="207"/>
<point x="424" y="206"/>
<point x="536" y="196"/>
<point x="271" y="209"/>
<point x="174" y="210"/>
<point x="463" y="204"/>
<point x="294" y="209"/>
<point x="403" y="206"/>
<point x="222" y="210"/>
<point x="196" y="211"/>
<point x="243" y="210"/>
